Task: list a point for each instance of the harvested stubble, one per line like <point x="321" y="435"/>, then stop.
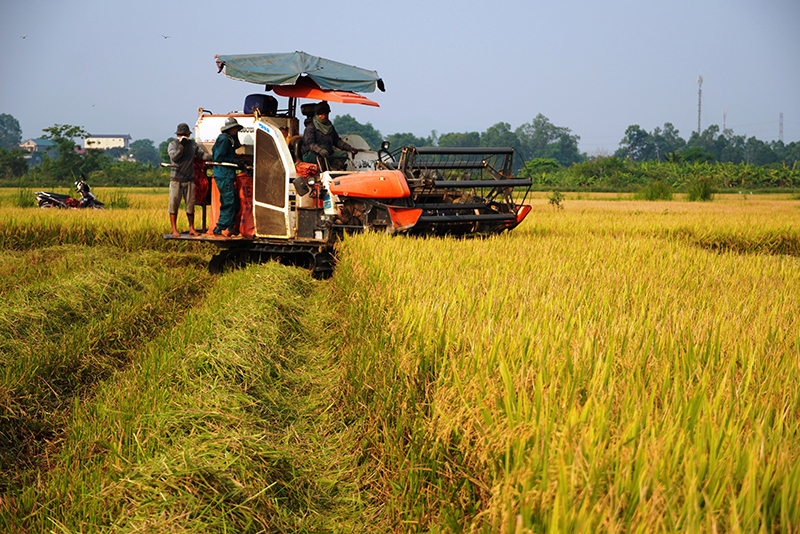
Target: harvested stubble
<point x="73" y="316"/>
<point x="593" y="371"/>
<point x="208" y="429"/>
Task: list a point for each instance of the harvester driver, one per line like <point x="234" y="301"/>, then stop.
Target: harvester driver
<point x="182" y="152"/>
<point x="320" y="137"/>
<point x="224" y="155"/>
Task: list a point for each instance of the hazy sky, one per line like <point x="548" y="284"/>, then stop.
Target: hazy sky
<point x="449" y="66"/>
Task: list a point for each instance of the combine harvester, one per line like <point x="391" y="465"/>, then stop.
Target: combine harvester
<point x="295" y="212"/>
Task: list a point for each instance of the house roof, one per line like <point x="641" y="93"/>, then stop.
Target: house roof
<point x="40" y="141"/>
<point x="123" y="136"/>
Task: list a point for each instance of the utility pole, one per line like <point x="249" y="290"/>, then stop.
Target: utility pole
<point x="724" y="120"/>
<point x="699" y="102"/>
<point x="780" y="129"/>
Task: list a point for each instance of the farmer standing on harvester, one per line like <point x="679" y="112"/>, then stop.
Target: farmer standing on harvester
<point x="182" y="152"/>
<point x="224" y="151"/>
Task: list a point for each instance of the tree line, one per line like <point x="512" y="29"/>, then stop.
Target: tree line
<point x="541" y="139"/>
<point x="712" y="145"/>
<point x="542" y="146"/>
<point x="538" y="138"/>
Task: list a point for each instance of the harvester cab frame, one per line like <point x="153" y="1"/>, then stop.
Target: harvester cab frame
<point x="296" y="212"/>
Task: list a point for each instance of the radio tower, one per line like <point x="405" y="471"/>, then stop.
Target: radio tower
<point x="780" y="129"/>
<point x="699" y="101"/>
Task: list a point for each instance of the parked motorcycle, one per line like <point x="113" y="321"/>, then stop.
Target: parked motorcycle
<point x="57" y="200"/>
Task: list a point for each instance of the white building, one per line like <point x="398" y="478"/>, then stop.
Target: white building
<point x="104" y="142"/>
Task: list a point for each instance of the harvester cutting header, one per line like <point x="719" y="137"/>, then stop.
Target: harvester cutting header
<point x="295" y="203"/>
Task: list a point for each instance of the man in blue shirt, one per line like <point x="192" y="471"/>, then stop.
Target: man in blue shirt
<point x="224" y="151"/>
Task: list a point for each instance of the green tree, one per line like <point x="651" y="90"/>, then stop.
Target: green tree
<point x="542" y="139"/>
<point x="667" y="140"/>
<point x="465" y="139"/>
<point x="696" y="154"/>
<point x="709" y="141"/>
<point x="10" y="132"/>
<point x="345" y="124"/>
<point x="12" y="163"/>
<point x="733" y="151"/>
<point x="752" y="147"/>
<point x="61" y="132"/>
<point x="144" y="151"/>
<point x="538" y="167"/>
<point x="68" y="164"/>
<point x="765" y="155"/>
<point x="605" y="170"/>
<point x="94" y="159"/>
<point x="128" y="173"/>
<point x="564" y="150"/>
<point x="637" y="145"/>
<point x="499" y="135"/>
<point x="162" y="150"/>
<point x="398" y="140"/>
<point x="116" y="152"/>
<point x="791" y="153"/>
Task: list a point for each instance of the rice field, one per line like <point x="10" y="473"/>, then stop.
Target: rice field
<point x="613" y="366"/>
<point x="138" y="225"/>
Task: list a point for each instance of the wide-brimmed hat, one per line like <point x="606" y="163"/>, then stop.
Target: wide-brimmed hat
<point x="183" y="129"/>
<point x="231" y="123"/>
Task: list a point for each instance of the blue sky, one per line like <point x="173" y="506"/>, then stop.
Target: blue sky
<point x="449" y="66"/>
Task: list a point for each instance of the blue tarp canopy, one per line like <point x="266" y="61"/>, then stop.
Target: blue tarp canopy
<point x="286" y="69"/>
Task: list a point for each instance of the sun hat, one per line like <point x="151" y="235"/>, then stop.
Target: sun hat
<point x="231" y="123"/>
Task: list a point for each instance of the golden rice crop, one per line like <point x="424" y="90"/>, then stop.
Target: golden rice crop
<point x="597" y="369"/>
<point x="140" y="226"/>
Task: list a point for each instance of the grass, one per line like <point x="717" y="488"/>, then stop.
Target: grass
<point x="24" y="198"/>
<point x="118" y="200"/>
<point x="658" y="190"/>
<point x="700" y="189"/>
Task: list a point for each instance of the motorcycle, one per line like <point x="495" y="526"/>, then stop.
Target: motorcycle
<point x="57" y="200"/>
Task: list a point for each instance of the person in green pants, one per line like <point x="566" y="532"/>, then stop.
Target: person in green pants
<point x="224" y="151"/>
